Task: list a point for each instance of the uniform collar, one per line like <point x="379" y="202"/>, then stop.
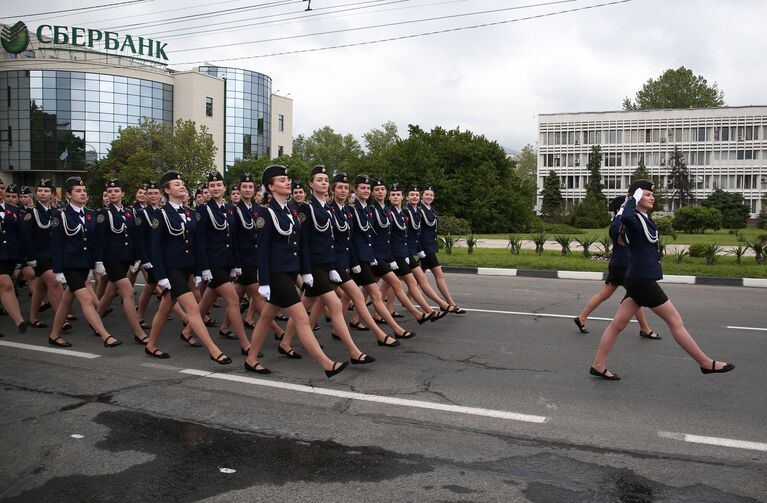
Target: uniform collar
<point x="76" y="208"/>
<point x="113" y="205"/>
<point x="175" y="206"/>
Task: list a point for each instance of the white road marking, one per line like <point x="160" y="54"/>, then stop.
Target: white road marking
<point x="475" y="411"/>
<point x="43" y="349"/>
<point x="733" y="327"/>
<point x="723" y="442"/>
<point x="537" y="315"/>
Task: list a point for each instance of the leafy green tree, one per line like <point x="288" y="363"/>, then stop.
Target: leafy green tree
<point x="297" y="168"/>
<point x="144" y="152"/>
<point x="696" y="219"/>
<point x="679" y="182"/>
<point x="325" y="146"/>
<point x="592" y="211"/>
<point x="641" y="172"/>
<point x="678" y="88"/>
<point x="761" y="220"/>
<point x="552" y="203"/>
<point x="527" y="163"/>
<point x="594" y="186"/>
<point x="733" y="206"/>
<point x="378" y="140"/>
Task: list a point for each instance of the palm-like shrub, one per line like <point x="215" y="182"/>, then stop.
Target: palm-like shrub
<point x="564" y="241"/>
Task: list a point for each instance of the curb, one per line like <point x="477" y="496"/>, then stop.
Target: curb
<point x="600" y="276"/>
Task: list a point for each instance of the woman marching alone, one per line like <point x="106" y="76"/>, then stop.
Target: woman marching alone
<point x="174" y="261"/>
<point x="279" y="264"/>
<point x="642" y="289"/>
<point x="619" y="261"/>
<point x="74" y="250"/>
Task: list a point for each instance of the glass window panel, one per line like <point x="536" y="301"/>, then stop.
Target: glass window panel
<point x="134" y="100"/>
<point x="121" y="88"/>
<point x="146" y="89"/>
<point x="146" y="102"/>
<point x="134" y="110"/>
<point x="157" y="103"/>
<point x="167" y="116"/>
<point x="78" y="115"/>
<point x="106" y="137"/>
<point x="77" y="84"/>
<point x="134" y="89"/>
<point x="92" y="106"/>
<point x="121" y="98"/>
<point x="106" y="108"/>
<point x="63" y="105"/>
<point x="105" y="97"/>
<point x="78" y="105"/>
<point x="120" y="108"/>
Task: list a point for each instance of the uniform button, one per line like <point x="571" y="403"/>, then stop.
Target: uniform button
<point x="186" y="242"/>
<point x="294" y="253"/>
<point x="85" y="247"/>
<point x="85" y="239"/>
<point x="186" y="251"/>
<point x="126" y="243"/>
<point x="227" y="246"/>
<point x="369" y="244"/>
<point x="295" y="243"/>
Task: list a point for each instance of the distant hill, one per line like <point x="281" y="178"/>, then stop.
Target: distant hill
<point x="510" y="151"/>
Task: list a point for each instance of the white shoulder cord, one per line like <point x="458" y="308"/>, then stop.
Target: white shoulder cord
<point x="317" y="226"/>
<point x="37" y="219"/>
<point x="433" y="223"/>
<point x="277" y="224"/>
<point x="214" y="221"/>
<point x="248" y="226"/>
<point x="338" y="223"/>
<point x="171" y="230"/>
<point x="70" y="232"/>
<point x="378" y="218"/>
<point x="112" y="224"/>
<point x="362" y="227"/>
<point x="651" y="238"/>
<point x="413" y="215"/>
<point x="396" y="222"/>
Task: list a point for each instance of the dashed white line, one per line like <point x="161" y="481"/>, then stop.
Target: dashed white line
<point x="475" y="411"/>
<point x="43" y="349"/>
<point x="759" y="329"/>
<point x="722" y="442"/>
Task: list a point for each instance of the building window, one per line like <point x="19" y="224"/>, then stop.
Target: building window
<point x="280" y="150"/>
<point x="280" y="123"/>
<point x="209" y="106"/>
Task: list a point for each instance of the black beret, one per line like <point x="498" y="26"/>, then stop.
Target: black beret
<point x="427" y="186"/>
<point x="144" y="186"/>
<point x="12" y="188"/>
<point x="235" y="186"/>
<point x="25" y="189"/>
<point x="641" y="184"/>
<point x="616" y="203"/>
<point x="45" y="183"/>
<point x="247" y="177"/>
<point x="297" y="184"/>
<point x="273" y="171"/>
<point x="170" y="176"/>
<point x="376" y="182"/>
<point x="153" y="184"/>
<point x="114" y="182"/>
<point x="340" y="178"/>
<point x="362" y="179"/>
<point x="317" y="170"/>
<point x="413" y="188"/>
<point x="395" y="187"/>
<point x="71" y="182"/>
<point x="197" y="192"/>
<point x="215" y="176"/>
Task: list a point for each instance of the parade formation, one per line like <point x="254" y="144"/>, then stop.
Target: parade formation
<point x="280" y="250"/>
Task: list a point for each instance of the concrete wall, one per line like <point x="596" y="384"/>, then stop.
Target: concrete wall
<point x="282" y="105"/>
<point x="190" y="90"/>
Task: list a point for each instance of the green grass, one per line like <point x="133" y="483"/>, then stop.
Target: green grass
<point x="722" y="237"/>
<point x="552" y="259"/>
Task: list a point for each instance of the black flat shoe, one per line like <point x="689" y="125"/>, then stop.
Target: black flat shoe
<point x="335" y="336"/>
<point x="221" y="359"/>
<point x="455" y="310"/>
<point x="580" y="325"/>
<point x="141" y="341"/>
<point x="393" y="344"/>
<point x="379" y="321"/>
<point x="156" y="353"/>
<point x="327" y="319"/>
<point x="246" y="351"/>
<point x="405" y="335"/>
<point x="228" y="334"/>
<point x="66" y="327"/>
<point x="279" y="337"/>
<point x="188" y="340"/>
<point x="211" y="323"/>
<point x="316" y="327"/>
<point x="71" y="317"/>
<point x="713" y="370"/>
<point x="114" y="344"/>
<point x="23" y="327"/>
<point x="54" y="342"/>
<point x="395" y="314"/>
<point x="290" y="354"/>
<point x="38" y="324"/>
<point x="363" y="359"/>
<point x="335" y="369"/>
<point x="437" y="315"/>
<point x="603" y="375"/>
<point x="358" y="326"/>
<point x="650" y="335"/>
<point x="107" y="312"/>
<point x="423" y="319"/>
<point x="45" y="307"/>
<point x="143" y="324"/>
<point x="248" y="324"/>
<point x="254" y="368"/>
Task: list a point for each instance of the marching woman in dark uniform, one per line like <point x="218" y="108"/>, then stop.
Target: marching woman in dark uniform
<point x="117" y="252"/>
<point x="37" y="243"/>
<point x="11" y="256"/>
<point x="619" y="261"/>
<point x="218" y="259"/>
<point x="346" y="261"/>
<point x="429" y="246"/>
<point x="279" y="264"/>
<point x="381" y="221"/>
<point x="317" y="234"/>
<point x="144" y="217"/>
<point x="74" y="249"/>
<point x="642" y="289"/>
<point x="362" y="242"/>
<point x="174" y="261"/>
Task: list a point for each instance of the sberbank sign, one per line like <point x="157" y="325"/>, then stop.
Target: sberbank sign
<point x="73" y="37"/>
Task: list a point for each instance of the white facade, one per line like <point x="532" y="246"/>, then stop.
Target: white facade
<point x="723" y="148"/>
<point x="282" y="126"/>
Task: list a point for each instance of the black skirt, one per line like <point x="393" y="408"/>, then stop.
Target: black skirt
<point x="7" y="267"/>
<point x="322" y="283"/>
<point x="220" y="276"/>
<point x="365" y="276"/>
<point x="179" y="281"/>
<point x="43" y="264"/>
<point x="430" y="261"/>
<point x="116" y="270"/>
<point x="76" y="278"/>
<point x="403" y="268"/>
<point x="381" y="269"/>
<point x="344" y="275"/>
<point x="615" y="275"/>
<point x="283" y="289"/>
<point x="249" y="276"/>
<point x="645" y="292"/>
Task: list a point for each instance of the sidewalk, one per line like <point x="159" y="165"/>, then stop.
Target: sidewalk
<point x="575" y="247"/>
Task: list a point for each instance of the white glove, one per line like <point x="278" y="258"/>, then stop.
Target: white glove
<point x="334" y="276"/>
<point x="60" y="278"/>
<point x="265" y="291"/>
<point x="638" y="195"/>
<point x="421" y="254"/>
<point x="374" y="263"/>
<point x="147" y="265"/>
<point x="207" y="275"/>
<point x="407" y="260"/>
<point x="197" y="281"/>
<point x="164" y="284"/>
<point x="32" y="263"/>
<point x="393" y="265"/>
<point x="236" y="271"/>
<point x="620" y="211"/>
<point x="356" y="269"/>
<point x="100" y="268"/>
<point x="135" y="266"/>
<point x="308" y="280"/>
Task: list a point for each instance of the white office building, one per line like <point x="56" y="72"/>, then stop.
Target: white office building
<point x="724" y="148"/>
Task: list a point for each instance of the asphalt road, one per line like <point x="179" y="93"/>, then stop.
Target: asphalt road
<point x="494" y="405"/>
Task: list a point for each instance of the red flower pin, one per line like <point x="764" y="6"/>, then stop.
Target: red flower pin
<point x="88" y="217"/>
<point x="349" y="216"/>
<point x="407" y="219"/>
<point x="186" y="213"/>
<point x="127" y="214"/>
<point x="295" y="213"/>
<point x="8" y="212"/>
<point x="370" y="214"/>
<point x="229" y="212"/>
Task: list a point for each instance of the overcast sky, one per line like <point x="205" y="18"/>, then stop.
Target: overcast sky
<point x="493" y="80"/>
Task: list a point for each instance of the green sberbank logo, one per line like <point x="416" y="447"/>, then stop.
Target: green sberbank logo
<point x="15" y="39"/>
